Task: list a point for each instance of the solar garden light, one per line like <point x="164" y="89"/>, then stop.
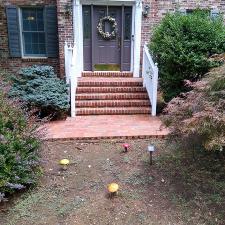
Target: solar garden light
<point x="64" y="163"/>
<point x="151" y="149"/>
<point x="126" y="146"/>
<point x="113" y="189"/>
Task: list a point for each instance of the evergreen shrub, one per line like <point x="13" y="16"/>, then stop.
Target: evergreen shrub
<point x="40" y="88"/>
<point x="19" y="144"/>
<point x="182" y="46"/>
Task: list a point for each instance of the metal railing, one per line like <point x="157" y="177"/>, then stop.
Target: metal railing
<point x="72" y="73"/>
<point x="150" y="73"/>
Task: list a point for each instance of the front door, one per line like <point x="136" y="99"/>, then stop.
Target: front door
<point x="107" y="54"/>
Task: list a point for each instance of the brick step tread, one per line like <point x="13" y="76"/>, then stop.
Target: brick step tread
<point x="109" y="89"/>
<point x="107" y="74"/>
<point x="114" y="103"/>
<point x="113" y="111"/>
<point x="109" y="82"/>
<point x="111" y="96"/>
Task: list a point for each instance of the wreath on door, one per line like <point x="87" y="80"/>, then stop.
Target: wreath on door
<point x="107" y="35"/>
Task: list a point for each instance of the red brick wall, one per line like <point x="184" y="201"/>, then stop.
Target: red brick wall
<point x="65" y="29"/>
<point x="158" y="8"/>
<point x="14" y="64"/>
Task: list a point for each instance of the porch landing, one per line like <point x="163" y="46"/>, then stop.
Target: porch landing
<point x="106" y="126"/>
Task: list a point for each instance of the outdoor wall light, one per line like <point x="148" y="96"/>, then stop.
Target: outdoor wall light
<point x="146" y="10"/>
<point x="151" y="149"/>
<point x="68" y="9"/>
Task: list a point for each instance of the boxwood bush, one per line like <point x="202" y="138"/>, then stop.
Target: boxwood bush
<point x="40" y="88"/>
<point x="19" y="162"/>
<point x="182" y="45"/>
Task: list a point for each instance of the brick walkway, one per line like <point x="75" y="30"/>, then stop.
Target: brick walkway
<point x="106" y="126"/>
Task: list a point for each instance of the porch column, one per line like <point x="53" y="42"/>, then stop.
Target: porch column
<point x="137" y="37"/>
<point x="78" y="34"/>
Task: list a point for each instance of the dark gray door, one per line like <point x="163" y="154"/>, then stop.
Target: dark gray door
<point x="106" y="52"/>
<point x="101" y="54"/>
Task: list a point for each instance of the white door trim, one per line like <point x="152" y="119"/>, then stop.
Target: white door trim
<point x="78" y="32"/>
<point x="137" y="38"/>
<point x="136" y="29"/>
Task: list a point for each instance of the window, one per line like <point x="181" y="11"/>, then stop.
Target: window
<point x="86" y="22"/>
<point x="127" y="23"/>
<point x="33" y="32"/>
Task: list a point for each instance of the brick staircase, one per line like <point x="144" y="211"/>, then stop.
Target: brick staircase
<point x="111" y="93"/>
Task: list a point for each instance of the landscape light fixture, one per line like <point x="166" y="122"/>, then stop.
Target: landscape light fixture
<point x="151" y="149"/>
<point x="126" y="146"/>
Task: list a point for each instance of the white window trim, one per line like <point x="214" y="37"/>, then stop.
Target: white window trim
<point x="23" y="56"/>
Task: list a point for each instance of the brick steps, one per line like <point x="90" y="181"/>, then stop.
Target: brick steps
<point x="111" y="95"/>
<point x="109" y="82"/>
<point x="107" y="74"/>
<point x="110" y="103"/>
<point x="110" y="89"/>
<point x="113" y="111"/>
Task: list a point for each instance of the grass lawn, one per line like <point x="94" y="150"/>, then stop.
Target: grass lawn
<point x="168" y="192"/>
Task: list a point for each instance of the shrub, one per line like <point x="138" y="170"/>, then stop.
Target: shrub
<point x="182" y="46"/>
<point x="18" y="147"/>
<point x="39" y="87"/>
<point x="198" y="117"/>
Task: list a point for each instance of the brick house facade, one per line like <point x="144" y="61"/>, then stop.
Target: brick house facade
<point x="65" y="26"/>
<point x="15" y="63"/>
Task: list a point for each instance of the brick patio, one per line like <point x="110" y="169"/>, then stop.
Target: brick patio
<point x="106" y="126"/>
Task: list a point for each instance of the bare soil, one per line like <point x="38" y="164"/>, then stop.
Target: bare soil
<point x="79" y="196"/>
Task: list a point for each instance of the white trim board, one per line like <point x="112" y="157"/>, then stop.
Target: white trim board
<point x="108" y="2"/>
<point x="136" y="28"/>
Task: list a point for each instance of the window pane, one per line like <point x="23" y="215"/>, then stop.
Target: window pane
<point x="40" y="25"/>
<point x="34" y="43"/>
<point x="41" y="37"/>
<point x="33" y="19"/>
<point x="42" y="50"/>
<point x="40" y="14"/>
<point x="28" y="38"/>
<point x="25" y="14"/>
<point x="35" y="49"/>
<point x="33" y="25"/>
<point x="34" y="37"/>
<point x="87" y="22"/>
<point x="28" y="49"/>
<point x="127" y="23"/>
<point x="33" y="32"/>
<point x="26" y="25"/>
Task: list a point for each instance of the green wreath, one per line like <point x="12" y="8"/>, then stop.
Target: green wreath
<point x="107" y="35"/>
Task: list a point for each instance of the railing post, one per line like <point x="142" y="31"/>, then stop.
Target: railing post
<point x="143" y="67"/>
<point x="66" y="62"/>
<point x="154" y="87"/>
<point x="73" y="80"/>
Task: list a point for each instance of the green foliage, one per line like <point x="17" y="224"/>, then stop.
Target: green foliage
<point x="39" y="87"/>
<point x="18" y="147"/>
<point x="198" y="117"/>
<point x="182" y="46"/>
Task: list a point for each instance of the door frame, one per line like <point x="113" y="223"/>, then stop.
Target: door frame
<point x="136" y="28"/>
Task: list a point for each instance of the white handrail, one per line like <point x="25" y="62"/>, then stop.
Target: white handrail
<point x="150" y="73"/>
<point x="72" y="73"/>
